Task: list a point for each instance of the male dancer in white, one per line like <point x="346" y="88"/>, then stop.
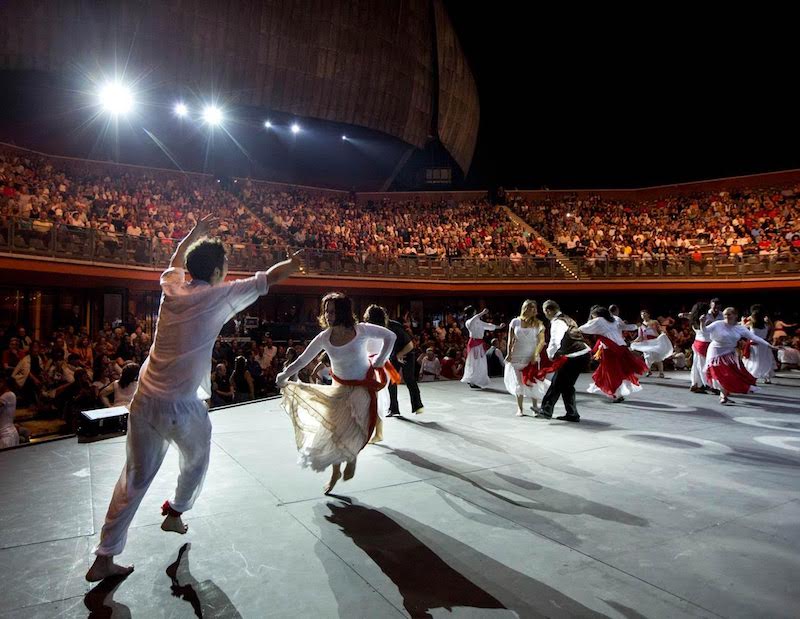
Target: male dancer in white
<point x="168" y="406"/>
<point x="476" y="371"/>
<point x="621" y="324"/>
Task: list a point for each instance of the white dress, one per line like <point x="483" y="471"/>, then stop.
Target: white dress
<point x="476" y="370"/>
<point x="761" y="363"/>
<point x="9" y="437"/>
<point x="332" y="423"/>
<point x="656" y="348"/>
<point x="525" y="339"/>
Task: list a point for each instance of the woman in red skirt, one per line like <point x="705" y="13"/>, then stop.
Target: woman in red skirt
<point x="724" y="369"/>
<point x="619" y="369"/>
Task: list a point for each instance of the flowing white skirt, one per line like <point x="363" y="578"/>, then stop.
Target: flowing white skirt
<point x="512" y="377"/>
<point x="331" y="422"/>
<point x="761" y="363"/>
<point x="625" y="389"/>
<point x="476" y="370"/>
<point x="654" y="350"/>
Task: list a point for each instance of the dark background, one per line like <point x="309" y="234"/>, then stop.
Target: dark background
<point x="570" y="98"/>
<point x="580" y="98"/>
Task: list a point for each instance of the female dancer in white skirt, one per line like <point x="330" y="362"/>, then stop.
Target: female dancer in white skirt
<point x="332" y="423"/>
<point x="654" y="345"/>
<point x="697" y="317"/>
<point x="724" y="370"/>
<point x="759" y="360"/>
<point x="476" y="371"/>
<point x="525" y="344"/>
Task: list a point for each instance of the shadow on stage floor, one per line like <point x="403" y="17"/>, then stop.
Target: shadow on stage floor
<point x="429" y="568"/>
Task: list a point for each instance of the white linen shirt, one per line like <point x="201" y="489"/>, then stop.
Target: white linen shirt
<point x="190" y="317"/>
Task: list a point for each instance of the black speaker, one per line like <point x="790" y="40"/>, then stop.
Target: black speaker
<point x="102" y="423"/>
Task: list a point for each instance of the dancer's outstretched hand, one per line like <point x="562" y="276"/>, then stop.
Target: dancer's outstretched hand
<point x="203" y="227"/>
<point x="281" y="380"/>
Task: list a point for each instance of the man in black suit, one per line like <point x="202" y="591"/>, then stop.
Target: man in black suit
<point x="400" y="358"/>
<point x="566" y="340"/>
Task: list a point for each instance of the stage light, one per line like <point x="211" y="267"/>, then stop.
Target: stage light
<point x="116" y="99"/>
<point x="295" y="128"/>
<point x="344" y="137"/>
<point x="212" y="115"/>
<point x="267" y="124"/>
<point x="181" y="110"/>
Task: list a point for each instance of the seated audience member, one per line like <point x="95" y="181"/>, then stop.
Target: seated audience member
<point x="121" y="390"/>
<point x="242" y="381"/>
<point x="9" y="436"/>
<point x="430" y="368"/>
<point x="221" y="388"/>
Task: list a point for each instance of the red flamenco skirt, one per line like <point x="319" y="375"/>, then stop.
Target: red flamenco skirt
<point x="617" y="374"/>
<point x="727" y="373"/>
<point x="533" y="372"/>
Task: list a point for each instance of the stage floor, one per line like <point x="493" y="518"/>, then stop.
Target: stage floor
<point x="667" y="505"/>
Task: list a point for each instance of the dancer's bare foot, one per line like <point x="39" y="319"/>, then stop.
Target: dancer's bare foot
<point x="174" y="524"/>
<point x="520" y="413"/>
<point x="335" y="475"/>
<point x="377" y="435"/>
<point x="349" y="470"/>
<point x="104" y="567"/>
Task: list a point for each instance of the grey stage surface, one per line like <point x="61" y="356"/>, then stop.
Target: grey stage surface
<point x="668" y="505"/>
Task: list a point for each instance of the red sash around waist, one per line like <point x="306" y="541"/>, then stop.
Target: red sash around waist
<point x="373" y="382"/>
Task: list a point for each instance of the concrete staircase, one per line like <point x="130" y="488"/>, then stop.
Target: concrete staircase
<point x="566" y="263"/>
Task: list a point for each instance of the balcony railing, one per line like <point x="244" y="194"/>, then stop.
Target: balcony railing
<point x="62" y="242"/>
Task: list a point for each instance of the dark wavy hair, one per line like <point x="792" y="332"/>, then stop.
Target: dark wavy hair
<point x="699" y="310"/>
<point x="376" y="315"/>
<point x="757" y="318"/>
<point x="598" y="311"/>
<point x="130" y="373"/>
<point x="342" y="309"/>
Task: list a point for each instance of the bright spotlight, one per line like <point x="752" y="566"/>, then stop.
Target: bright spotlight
<point x="295" y="128"/>
<point x="181" y="110"/>
<point x="267" y="124"/>
<point x="116" y="99"/>
<point x="212" y="115"/>
<point x="344" y="137"/>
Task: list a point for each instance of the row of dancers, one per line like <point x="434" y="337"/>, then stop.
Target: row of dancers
<point x="333" y="423"/>
<point x="716" y="365"/>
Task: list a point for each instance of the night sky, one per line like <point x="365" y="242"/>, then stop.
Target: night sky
<point x="599" y="100"/>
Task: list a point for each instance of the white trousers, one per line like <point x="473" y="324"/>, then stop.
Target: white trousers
<point x="699" y="370"/>
<point x="152" y="425"/>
